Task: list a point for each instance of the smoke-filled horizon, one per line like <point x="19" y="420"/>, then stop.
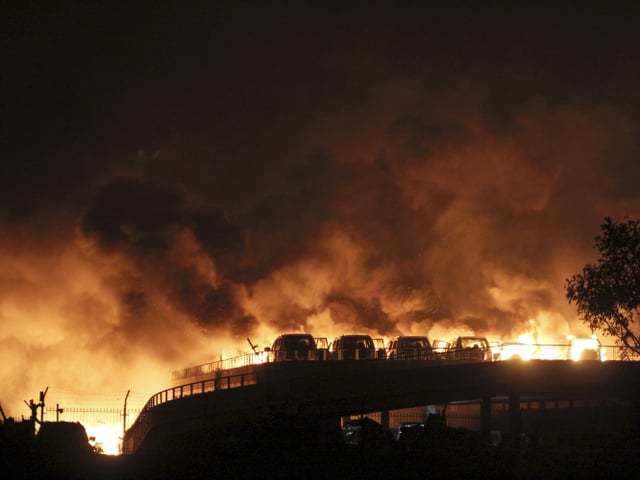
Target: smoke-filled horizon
<point x="177" y="181"/>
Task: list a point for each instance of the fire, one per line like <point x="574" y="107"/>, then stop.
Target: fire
<point x="517" y="350"/>
<point x="259" y="357"/>
<point x="551" y="352"/>
<point x="105" y="438"/>
<point x="586" y="349"/>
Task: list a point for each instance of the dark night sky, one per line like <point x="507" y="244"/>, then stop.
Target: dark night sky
<point x="193" y="175"/>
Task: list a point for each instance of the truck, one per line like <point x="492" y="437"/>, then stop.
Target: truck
<point x="353" y="347"/>
<point x="409" y="346"/>
<point x="469" y="348"/>
<point x="296" y="346"/>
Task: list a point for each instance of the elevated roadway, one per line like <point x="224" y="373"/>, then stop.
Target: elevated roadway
<point x="338" y="388"/>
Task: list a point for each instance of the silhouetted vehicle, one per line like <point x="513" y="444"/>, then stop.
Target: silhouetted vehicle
<point x="409" y="346"/>
<point x="352" y="347"/>
<point x="295" y="346"/>
<point x="408" y="430"/>
<point x="588" y="348"/>
<point x="366" y="432"/>
<point x="469" y="348"/>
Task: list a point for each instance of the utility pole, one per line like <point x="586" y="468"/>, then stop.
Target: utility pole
<point x="33" y="406"/>
<point x="41" y="404"/>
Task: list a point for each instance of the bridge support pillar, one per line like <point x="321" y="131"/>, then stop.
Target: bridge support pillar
<point x="384" y="418"/>
<point x="515" y="421"/>
<point x="485" y="417"/>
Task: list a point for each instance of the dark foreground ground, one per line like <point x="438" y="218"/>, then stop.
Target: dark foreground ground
<point x="294" y="449"/>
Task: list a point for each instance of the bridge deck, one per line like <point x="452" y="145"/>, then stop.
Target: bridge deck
<point x="338" y="388"/>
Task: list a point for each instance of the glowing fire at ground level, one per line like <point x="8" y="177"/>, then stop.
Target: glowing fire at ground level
<point x="104" y="426"/>
<point x="105" y="438"/>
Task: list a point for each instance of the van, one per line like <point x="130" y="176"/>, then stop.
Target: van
<point x="293" y="346"/>
<point x="352" y="347"/>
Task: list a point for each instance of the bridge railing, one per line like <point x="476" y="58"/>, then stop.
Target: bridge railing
<point x="220" y="365"/>
<point x="561" y="351"/>
<point x="202" y="386"/>
<point x="616" y="352"/>
<point x="536" y="351"/>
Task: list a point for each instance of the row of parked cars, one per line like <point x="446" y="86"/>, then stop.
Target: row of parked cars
<point x="303" y="346"/>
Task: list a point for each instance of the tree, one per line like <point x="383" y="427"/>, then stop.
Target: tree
<point x="607" y="294"/>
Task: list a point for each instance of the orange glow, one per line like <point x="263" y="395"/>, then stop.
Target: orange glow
<point x="586" y="349"/>
<point x="105" y="438"/>
<point x="551" y="352"/>
<point x="259" y="357"/>
<point x="519" y="351"/>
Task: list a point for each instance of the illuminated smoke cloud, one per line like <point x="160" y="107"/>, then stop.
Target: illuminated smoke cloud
<point x="150" y="228"/>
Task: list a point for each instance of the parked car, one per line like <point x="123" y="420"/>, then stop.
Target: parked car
<point x="294" y="346"/>
<point x="409" y="346"/>
<point x="352" y="347"/>
<point x="366" y="432"/>
<point x="469" y="348"/>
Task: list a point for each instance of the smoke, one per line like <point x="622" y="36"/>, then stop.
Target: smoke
<point x="419" y="172"/>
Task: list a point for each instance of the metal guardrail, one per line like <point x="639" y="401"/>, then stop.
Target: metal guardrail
<point x="554" y="351"/>
<point x="202" y="386"/>
<point x="220" y="365"/>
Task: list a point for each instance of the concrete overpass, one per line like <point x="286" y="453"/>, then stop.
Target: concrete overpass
<point x="331" y="389"/>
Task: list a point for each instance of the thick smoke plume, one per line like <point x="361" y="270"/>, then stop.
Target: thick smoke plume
<point x="185" y="180"/>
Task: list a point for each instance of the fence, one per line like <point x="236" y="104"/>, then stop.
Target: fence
<point x="104" y="426"/>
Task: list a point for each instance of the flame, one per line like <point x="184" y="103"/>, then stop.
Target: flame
<point x="522" y="350"/>
<point x="586" y="348"/>
<point x="551" y="352"/>
<point x="105" y="438"/>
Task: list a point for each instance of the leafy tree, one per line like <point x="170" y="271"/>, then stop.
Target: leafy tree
<point x="607" y="294"/>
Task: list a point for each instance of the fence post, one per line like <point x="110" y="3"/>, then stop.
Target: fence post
<point x="124" y="416"/>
